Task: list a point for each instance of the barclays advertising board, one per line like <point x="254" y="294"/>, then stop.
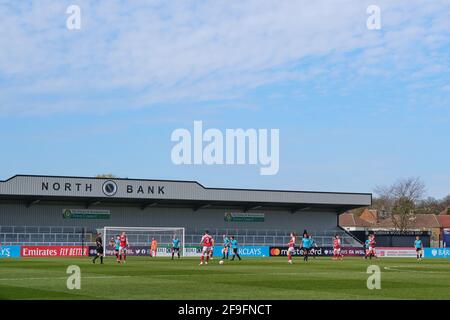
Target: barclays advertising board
<point x="437" y="253"/>
<point x="245" y="251"/>
<point x="446" y="238"/>
<point x="9" y="251"/>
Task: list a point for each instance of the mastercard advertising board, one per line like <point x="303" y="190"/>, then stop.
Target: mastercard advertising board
<point x="319" y="251"/>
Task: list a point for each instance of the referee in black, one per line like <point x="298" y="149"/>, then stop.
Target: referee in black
<point x="99" y="244"/>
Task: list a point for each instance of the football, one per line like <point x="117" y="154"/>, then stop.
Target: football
<point x="221" y="262"/>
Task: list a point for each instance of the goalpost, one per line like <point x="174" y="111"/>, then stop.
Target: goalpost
<point x="142" y="237"/>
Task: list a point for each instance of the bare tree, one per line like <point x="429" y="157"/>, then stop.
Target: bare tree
<point x="401" y="200"/>
<point x="429" y="205"/>
<point x="106" y="175"/>
<point x="402" y="213"/>
<point x="383" y="202"/>
<point x="410" y="188"/>
<point x="445" y="203"/>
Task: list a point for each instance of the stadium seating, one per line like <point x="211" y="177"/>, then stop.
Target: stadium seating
<point x="36" y="235"/>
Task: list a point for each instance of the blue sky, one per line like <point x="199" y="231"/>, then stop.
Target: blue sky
<point x="356" y="108"/>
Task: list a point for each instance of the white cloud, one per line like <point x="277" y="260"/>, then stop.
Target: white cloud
<point x="157" y="51"/>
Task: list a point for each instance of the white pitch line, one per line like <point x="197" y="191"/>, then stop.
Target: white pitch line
<point x="251" y="274"/>
<point x="419" y="271"/>
<point x="47" y="278"/>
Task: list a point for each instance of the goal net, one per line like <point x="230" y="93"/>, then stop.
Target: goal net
<point x="140" y="240"/>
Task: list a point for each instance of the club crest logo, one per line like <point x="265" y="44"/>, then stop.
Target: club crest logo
<point x="67" y="214"/>
<point x="109" y="188"/>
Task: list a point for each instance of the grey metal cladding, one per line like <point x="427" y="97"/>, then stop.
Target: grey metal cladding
<point x="166" y="189"/>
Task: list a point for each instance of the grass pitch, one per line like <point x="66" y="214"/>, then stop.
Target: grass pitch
<point x="251" y="278"/>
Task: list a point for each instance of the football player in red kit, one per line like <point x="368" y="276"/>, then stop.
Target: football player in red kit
<point x="372" y="244"/>
<point x="211" y="250"/>
<point x="291" y="247"/>
<point x="337" y="248"/>
<point x="123" y="248"/>
<point x="206" y="243"/>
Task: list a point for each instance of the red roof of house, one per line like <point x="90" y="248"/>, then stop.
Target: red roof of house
<point x="349" y="219"/>
<point x="418" y="221"/>
<point x="444" y="221"/>
<point x="369" y="215"/>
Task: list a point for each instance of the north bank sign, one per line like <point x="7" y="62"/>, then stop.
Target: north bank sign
<point x="109" y="188"/>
